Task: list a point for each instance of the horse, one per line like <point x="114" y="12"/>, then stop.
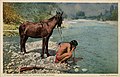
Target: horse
<point x="42" y="29"/>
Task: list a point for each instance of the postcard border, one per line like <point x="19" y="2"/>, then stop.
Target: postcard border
<point x="58" y="75"/>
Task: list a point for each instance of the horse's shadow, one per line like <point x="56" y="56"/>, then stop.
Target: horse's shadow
<point x="50" y="51"/>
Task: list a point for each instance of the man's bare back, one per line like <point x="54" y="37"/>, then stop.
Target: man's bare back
<point x="63" y="48"/>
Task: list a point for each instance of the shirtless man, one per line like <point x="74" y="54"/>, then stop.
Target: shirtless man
<point x="65" y="51"/>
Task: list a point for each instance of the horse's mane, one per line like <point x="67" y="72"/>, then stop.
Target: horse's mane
<point x="47" y="20"/>
<point x="50" y="19"/>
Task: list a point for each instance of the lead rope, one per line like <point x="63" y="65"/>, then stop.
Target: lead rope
<point x="60" y="33"/>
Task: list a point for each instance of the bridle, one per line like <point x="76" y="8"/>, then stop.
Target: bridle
<point x="60" y="33"/>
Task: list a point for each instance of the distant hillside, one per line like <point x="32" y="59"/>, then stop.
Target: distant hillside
<point x="90" y="9"/>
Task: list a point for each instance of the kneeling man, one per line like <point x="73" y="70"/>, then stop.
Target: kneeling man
<point x="65" y="51"/>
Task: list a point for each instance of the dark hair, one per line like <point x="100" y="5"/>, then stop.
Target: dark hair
<point x="74" y="43"/>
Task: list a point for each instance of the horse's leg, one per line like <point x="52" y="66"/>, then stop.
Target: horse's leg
<point x="23" y="42"/>
<point x="21" y="39"/>
<point x="47" y="40"/>
<point x="43" y="47"/>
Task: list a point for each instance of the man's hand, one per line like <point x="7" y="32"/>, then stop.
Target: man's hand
<point x="73" y="58"/>
<point x="73" y="48"/>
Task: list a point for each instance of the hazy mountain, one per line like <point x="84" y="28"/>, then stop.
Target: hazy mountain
<point x="90" y="9"/>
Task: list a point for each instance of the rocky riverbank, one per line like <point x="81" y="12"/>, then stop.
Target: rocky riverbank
<point x="16" y="60"/>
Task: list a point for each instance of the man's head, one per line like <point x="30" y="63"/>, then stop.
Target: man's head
<point x="74" y="43"/>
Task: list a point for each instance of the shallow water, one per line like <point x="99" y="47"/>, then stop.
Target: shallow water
<point x="98" y="45"/>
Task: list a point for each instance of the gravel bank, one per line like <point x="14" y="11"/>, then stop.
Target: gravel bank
<point x="32" y="58"/>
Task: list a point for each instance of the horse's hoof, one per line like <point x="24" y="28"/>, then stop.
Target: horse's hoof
<point x="22" y="53"/>
<point x="48" y="55"/>
<point x="42" y="56"/>
<point x="19" y="52"/>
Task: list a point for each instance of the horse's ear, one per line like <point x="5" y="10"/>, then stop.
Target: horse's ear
<point x="62" y="13"/>
<point x="56" y="12"/>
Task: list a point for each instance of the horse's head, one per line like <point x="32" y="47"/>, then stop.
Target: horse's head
<point x="59" y="18"/>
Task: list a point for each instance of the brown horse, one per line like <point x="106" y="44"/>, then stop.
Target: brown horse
<point x="42" y="29"/>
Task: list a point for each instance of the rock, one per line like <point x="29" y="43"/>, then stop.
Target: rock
<point x="10" y="70"/>
<point x="6" y="71"/>
<point x="5" y="49"/>
<point x="45" y="55"/>
<point x="12" y="47"/>
<point x="8" y="67"/>
<point x="76" y="66"/>
<point x="76" y="69"/>
<point x="19" y="52"/>
<point x="17" y="62"/>
<point x="11" y="64"/>
<point x="84" y="70"/>
<point x="58" y="72"/>
<point x="50" y="59"/>
<point x="37" y="55"/>
<point x="32" y="64"/>
<point x="12" y="60"/>
<point x="9" y="52"/>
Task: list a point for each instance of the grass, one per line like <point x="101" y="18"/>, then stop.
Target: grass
<point x="10" y="27"/>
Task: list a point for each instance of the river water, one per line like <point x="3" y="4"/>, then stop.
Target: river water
<point x="98" y="45"/>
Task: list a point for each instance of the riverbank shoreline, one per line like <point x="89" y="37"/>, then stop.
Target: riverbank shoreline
<point x="87" y="20"/>
<point x="33" y="58"/>
<point x="112" y="22"/>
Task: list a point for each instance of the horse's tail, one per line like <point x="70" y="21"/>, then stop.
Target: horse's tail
<point x="21" y="29"/>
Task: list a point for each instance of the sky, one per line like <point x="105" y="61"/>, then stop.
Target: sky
<point x="90" y="9"/>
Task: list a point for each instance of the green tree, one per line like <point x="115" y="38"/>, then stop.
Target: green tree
<point x="35" y="11"/>
<point x="10" y="16"/>
<point x="111" y="8"/>
<point x="80" y="14"/>
<point x="114" y="15"/>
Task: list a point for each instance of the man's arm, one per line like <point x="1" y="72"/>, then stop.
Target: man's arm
<point x="72" y="49"/>
<point x="68" y="49"/>
<point x="73" y="58"/>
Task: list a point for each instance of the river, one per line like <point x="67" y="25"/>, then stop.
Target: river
<point x="98" y="44"/>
